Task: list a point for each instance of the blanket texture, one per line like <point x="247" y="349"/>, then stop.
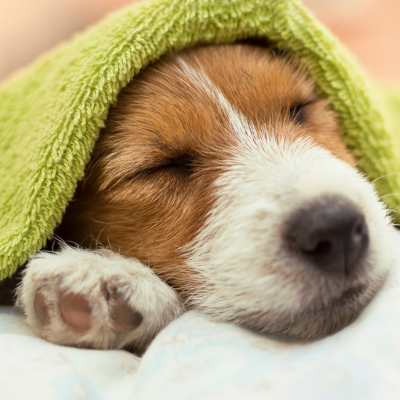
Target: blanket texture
<point x="52" y="111"/>
<point x="198" y="359"/>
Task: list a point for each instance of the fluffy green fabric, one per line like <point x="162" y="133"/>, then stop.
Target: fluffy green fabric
<point x="52" y="111"/>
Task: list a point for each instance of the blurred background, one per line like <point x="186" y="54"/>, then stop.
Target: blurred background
<point x="370" y="28"/>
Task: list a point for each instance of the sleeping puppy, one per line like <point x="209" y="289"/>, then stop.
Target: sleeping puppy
<point x="221" y="183"/>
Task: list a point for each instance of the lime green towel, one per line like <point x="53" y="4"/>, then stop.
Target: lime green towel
<point x="52" y="111"/>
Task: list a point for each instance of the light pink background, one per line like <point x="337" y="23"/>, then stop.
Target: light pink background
<point x="370" y="28"/>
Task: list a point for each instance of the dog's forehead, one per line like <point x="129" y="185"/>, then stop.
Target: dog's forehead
<point x="185" y="100"/>
<point x="252" y="78"/>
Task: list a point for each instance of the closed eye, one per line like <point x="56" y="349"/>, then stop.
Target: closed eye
<point x="181" y="164"/>
<point x="298" y="111"/>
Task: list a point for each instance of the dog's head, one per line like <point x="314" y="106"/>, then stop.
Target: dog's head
<point x="223" y="170"/>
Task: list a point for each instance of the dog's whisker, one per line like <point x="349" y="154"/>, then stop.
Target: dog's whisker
<point x="384" y="176"/>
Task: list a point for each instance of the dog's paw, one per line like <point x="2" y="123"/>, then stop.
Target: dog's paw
<point x="95" y="299"/>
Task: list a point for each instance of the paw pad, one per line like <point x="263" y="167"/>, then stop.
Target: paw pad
<point x="124" y="318"/>
<point x="75" y="311"/>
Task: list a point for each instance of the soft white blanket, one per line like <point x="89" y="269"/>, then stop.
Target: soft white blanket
<point x="194" y="358"/>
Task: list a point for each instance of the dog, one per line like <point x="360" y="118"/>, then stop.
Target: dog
<point x="220" y="183"/>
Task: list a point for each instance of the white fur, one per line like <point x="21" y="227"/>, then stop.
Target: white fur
<point x="240" y="252"/>
<point x="86" y="272"/>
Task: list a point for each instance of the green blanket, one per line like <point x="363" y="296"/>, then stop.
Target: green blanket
<point x="52" y="111"/>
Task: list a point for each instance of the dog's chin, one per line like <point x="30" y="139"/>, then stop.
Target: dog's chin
<point x="316" y="320"/>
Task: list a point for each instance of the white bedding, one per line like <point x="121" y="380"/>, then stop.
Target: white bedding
<point x="194" y="358"/>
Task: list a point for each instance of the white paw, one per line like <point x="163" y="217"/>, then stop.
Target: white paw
<point x="95" y="299"/>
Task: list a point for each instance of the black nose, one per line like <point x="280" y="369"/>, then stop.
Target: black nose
<point x="331" y="233"/>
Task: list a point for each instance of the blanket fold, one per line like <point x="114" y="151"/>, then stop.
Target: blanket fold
<point x="52" y="111"/>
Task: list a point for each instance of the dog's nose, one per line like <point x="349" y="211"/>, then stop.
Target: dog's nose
<point x="331" y="233"/>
